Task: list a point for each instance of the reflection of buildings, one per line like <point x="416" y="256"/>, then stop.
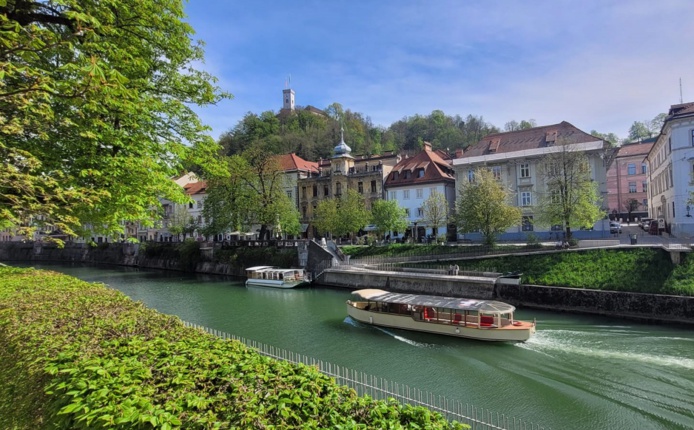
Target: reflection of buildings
<point x="514" y="158"/>
<point x="627" y="180"/>
<point x="339" y="174"/>
<point x="414" y="179"/>
<point x="671" y="169"/>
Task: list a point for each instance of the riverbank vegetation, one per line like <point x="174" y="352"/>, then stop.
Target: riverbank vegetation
<point x="77" y="355"/>
<point x="640" y="270"/>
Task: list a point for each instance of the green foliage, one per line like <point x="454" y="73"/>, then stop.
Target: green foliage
<point x="681" y="280"/>
<point x="484" y="205"/>
<point x="96" y="111"/>
<point x="81" y="356"/>
<point x="435" y="211"/>
<point x="387" y="215"/>
<point x="571" y="198"/>
<point x="189" y="254"/>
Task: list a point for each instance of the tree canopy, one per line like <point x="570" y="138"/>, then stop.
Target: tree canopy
<point x="435" y="211"/>
<point x="95" y="113"/>
<point x="388" y="215"/>
<point x="484" y="204"/>
<point x="571" y="198"/>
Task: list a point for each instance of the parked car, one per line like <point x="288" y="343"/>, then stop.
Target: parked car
<point x="615" y="227"/>
<point x="645" y="223"/>
<point x="653" y="227"/>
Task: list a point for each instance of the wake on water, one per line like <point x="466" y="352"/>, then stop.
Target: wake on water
<point x="555" y="342"/>
<point x="355" y="323"/>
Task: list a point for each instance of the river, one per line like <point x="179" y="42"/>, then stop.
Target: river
<point x="578" y="372"/>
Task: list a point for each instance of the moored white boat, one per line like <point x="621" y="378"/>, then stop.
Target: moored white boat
<point x="275" y="277"/>
<point x="469" y="318"/>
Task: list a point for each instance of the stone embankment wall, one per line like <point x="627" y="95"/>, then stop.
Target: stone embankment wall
<point x="419" y="283"/>
<point x="647" y="307"/>
<point x="121" y="254"/>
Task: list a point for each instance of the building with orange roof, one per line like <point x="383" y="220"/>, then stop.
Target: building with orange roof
<point x="412" y="181"/>
<point x="627" y="181"/>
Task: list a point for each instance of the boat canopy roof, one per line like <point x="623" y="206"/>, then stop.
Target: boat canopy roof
<point x="484" y="306"/>
<point x="260" y="267"/>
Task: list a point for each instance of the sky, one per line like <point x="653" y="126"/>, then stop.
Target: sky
<point x="598" y="64"/>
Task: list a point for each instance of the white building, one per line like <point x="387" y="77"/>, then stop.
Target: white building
<point x="514" y="158"/>
<point x="671" y="167"/>
<point x="413" y="180"/>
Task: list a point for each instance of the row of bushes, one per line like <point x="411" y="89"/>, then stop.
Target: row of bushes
<point x="75" y="355"/>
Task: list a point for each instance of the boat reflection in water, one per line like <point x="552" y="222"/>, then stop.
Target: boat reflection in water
<point x="474" y="319"/>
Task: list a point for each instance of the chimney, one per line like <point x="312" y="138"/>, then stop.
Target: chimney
<point x="427" y="146"/>
<point x="458" y="152"/>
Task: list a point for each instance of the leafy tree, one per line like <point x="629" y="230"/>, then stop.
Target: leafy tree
<point x="435" y="211"/>
<point x="484" y="205"/>
<point x="181" y="223"/>
<point x="571" y="197"/>
<point x="631" y="205"/>
<point x="515" y="125"/>
<point x="253" y="186"/>
<point x="387" y="215"/>
<point x="353" y="213"/>
<point x="95" y="113"/>
<point x="639" y="130"/>
<point x="326" y="217"/>
<point x="611" y="138"/>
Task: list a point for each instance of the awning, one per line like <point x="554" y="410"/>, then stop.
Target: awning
<point x="484" y="306"/>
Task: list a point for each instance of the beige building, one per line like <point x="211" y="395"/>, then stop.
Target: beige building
<point x="340" y="173"/>
<point x="514" y="157"/>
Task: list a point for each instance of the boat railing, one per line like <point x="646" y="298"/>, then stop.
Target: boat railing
<point x="381" y="389"/>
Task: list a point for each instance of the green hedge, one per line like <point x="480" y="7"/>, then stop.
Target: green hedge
<point x="75" y="355"/>
<point x="637" y="270"/>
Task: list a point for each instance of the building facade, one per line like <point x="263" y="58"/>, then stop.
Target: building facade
<point x="412" y="181"/>
<point x="627" y="181"/>
<point x="514" y="158"/>
<point x="671" y="172"/>
<point x="340" y="173"/>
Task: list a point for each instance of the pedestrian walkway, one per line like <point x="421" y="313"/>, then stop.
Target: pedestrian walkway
<point x="643" y="238"/>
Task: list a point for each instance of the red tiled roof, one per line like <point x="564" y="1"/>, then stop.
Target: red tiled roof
<point x="681" y="110"/>
<point x="292" y="162"/>
<point x="195" y="188"/>
<point x="436" y="169"/>
<point x="531" y="138"/>
<point x="632" y="149"/>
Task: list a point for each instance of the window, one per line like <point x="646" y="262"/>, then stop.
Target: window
<point x="338" y="189"/>
<point x="303" y="192"/>
<point x="199" y="204"/>
<point x="644" y="186"/>
<point x="645" y="203"/>
<point x="420" y="193"/>
<point x="407" y="212"/>
<point x="289" y="194"/>
<point x="393" y="195"/>
<point x="693" y="137"/>
<point x="373" y="186"/>
<point x="315" y="191"/>
<point x="631" y="169"/>
<point x="632" y="187"/>
<point x="526" y="198"/>
<point x="395" y="176"/>
<point x="406" y="194"/>
<point x="420" y="173"/>
<point x="644" y="168"/>
<point x="407" y="174"/>
<point x="527" y="223"/>
<point x="471" y="176"/>
<point x="190" y="205"/>
<point x="496" y="171"/>
<point x="420" y="212"/>
<point x="360" y="187"/>
<point x="432" y="191"/>
<point x="525" y="170"/>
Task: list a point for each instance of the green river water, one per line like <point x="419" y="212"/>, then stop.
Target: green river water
<point x="578" y="372"/>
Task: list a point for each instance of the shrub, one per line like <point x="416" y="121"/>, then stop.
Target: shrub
<point x="81" y="356"/>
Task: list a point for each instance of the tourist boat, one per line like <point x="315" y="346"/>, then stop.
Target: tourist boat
<point x="270" y="276"/>
<point x="474" y="319"/>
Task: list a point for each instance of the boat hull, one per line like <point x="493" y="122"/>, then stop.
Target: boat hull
<point x="511" y="333"/>
<point x="272" y="283"/>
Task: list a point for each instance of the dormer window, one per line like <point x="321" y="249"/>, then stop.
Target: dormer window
<point x="420" y="173"/>
<point x="494" y="145"/>
<point x="551" y="137"/>
<point x="395" y="176"/>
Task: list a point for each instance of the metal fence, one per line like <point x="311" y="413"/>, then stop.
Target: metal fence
<point x="381" y="389"/>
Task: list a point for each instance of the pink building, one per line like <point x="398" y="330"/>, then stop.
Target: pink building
<point x="627" y="181"/>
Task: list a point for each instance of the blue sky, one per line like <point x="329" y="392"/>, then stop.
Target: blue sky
<point x="598" y="64"/>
